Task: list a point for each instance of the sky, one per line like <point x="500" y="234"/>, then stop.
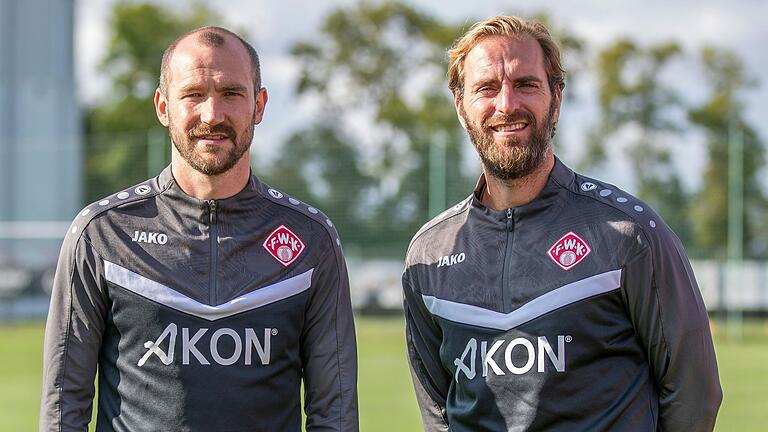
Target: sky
<point x="273" y="26"/>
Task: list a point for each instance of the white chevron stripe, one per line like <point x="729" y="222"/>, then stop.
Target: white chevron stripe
<point x="555" y="299"/>
<point x="160" y="293"/>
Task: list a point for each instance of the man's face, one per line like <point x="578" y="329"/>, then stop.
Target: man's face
<point x="507" y="106"/>
<point x="210" y="107"/>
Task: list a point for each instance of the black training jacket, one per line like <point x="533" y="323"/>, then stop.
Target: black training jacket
<point x="578" y="311"/>
<point x="201" y="316"/>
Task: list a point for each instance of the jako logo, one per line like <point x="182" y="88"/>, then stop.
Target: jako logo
<point x="189" y="346"/>
<point x="450" y="260"/>
<point x="487" y="361"/>
<point x="150" y="237"/>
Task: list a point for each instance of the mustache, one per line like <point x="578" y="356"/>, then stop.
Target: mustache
<point x="202" y="129"/>
<point x="513" y="117"/>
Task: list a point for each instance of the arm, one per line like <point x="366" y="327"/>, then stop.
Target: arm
<point x="328" y="350"/>
<point x="72" y="338"/>
<point x="423" y="338"/>
<point x="671" y="321"/>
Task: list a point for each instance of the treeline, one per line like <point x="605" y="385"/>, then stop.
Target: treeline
<point x="385" y="150"/>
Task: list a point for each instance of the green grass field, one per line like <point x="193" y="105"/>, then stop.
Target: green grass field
<point x="386" y="396"/>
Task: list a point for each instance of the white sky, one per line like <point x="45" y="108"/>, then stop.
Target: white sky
<point x="273" y="26"/>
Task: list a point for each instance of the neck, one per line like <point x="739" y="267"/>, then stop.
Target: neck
<point x="504" y="194"/>
<point x="206" y="187"/>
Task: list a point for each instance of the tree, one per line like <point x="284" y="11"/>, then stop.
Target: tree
<point x="721" y="114"/>
<point x="634" y="100"/>
<point x="321" y="168"/>
<point x="379" y="70"/>
<point x="121" y="126"/>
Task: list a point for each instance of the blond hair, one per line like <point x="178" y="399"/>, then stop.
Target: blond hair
<point x="511" y="26"/>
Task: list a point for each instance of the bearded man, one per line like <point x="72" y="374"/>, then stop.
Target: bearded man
<point x="546" y="300"/>
<point x="204" y="296"/>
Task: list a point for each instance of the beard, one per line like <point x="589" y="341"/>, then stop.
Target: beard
<point x="512" y="159"/>
<point x="195" y="154"/>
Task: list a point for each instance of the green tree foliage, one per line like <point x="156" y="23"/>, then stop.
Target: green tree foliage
<point x="378" y="71"/>
<point x="633" y="99"/>
<point x="120" y="125"/>
<point x="718" y="116"/>
<point x="325" y="169"/>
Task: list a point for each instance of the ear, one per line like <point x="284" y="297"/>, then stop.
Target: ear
<point x="558" y="101"/>
<point x="457" y="104"/>
<point x="261" y="104"/>
<point x="161" y="108"/>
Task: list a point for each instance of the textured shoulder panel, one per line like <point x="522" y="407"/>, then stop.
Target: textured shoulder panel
<point x="638" y="211"/>
<point x="458" y="209"/>
<point x="296" y="205"/>
<point x="140" y="191"/>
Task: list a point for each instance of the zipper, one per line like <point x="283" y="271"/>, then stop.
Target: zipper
<point x="507" y="254"/>
<point x="214" y="236"/>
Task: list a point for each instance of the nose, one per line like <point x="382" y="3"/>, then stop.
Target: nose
<point x="506" y="100"/>
<point x="211" y="112"/>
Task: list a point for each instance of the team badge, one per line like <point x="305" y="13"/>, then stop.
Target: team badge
<point x="569" y="251"/>
<point x="284" y="245"/>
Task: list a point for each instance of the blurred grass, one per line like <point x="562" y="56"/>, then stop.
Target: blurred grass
<point x="387" y="402"/>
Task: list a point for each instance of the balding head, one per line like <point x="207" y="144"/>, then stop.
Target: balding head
<point x="212" y="37"/>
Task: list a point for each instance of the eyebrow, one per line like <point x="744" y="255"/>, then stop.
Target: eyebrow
<point x="233" y="87"/>
<point x="523" y="79"/>
<point x="190" y="88"/>
<point x="528" y="78"/>
<point x="224" y="88"/>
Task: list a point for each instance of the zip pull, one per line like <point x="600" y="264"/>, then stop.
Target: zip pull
<point x="509" y="213"/>
<point x="212" y="211"/>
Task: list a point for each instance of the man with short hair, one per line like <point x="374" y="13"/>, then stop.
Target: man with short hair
<point x="548" y="300"/>
<point x="204" y="296"/>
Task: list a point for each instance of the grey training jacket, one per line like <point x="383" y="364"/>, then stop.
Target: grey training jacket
<point x="578" y="311"/>
<point x="201" y="316"/>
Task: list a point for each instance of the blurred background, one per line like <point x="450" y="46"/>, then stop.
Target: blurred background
<point x="666" y="100"/>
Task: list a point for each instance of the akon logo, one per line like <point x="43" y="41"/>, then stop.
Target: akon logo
<point x="521" y="348"/>
<point x="244" y="346"/>
<point x="450" y="260"/>
<point x="149" y="237"/>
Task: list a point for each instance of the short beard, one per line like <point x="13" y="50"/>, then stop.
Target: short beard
<point x="512" y="159"/>
<point x="184" y="141"/>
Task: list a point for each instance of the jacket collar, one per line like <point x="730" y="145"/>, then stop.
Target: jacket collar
<point x="560" y="179"/>
<point x="188" y="206"/>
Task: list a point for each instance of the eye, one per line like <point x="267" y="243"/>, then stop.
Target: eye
<point x="232" y="94"/>
<point x="192" y="95"/>
<point x="487" y="89"/>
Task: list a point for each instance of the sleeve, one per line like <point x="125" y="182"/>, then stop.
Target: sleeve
<point x="73" y="334"/>
<point x="671" y="321"/>
<point x="329" y="351"/>
<point x="423" y="340"/>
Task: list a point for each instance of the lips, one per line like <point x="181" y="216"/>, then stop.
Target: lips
<point x="217" y="137"/>
<point x="509" y="124"/>
<point x="212" y="134"/>
<point x="509" y="127"/>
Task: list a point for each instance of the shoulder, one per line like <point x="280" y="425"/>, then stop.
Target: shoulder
<point x="625" y="213"/>
<point x="300" y="210"/>
<point x="137" y="193"/>
<point x="441" y="226"/>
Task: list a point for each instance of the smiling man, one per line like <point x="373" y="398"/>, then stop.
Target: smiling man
<point x="204" y="296"/>
<point x="547" y="300"/>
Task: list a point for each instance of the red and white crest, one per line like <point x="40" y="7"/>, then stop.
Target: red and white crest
<point x="284" y="245"/>
<point x="569" y="251"/>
